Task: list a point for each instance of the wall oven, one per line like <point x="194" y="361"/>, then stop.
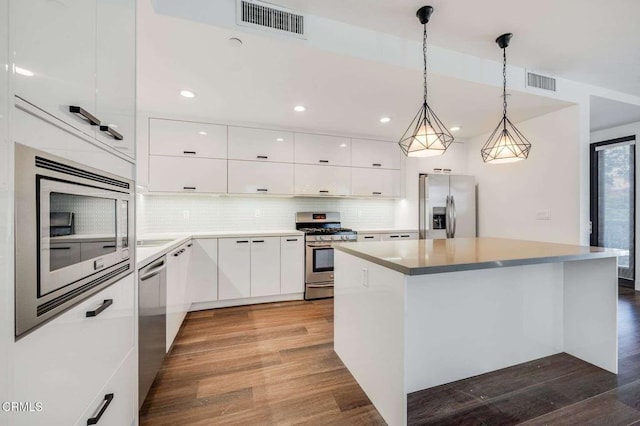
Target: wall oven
<point x="74" y="225"/>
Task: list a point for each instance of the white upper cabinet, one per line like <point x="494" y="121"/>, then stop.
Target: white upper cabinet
<point x="250" y="177"/>
<point x="265" y="266"/>
<point x="116" y="73"/>
<point x="177" y="174"/>
<point x="322" y="180"/>
<point x="375" y="183"/>
<point x="187" y="139"/>
<point x="375" y="154"/>
<point x="75" y="59"/>
<point x="322" y="149"/>
<point x="54" y="46"/>
<point x="260" y="145"/>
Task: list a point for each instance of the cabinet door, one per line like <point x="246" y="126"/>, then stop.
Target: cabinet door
<point x="203" y="271"/>
<point x="396" y="236"/>
<point x="253" y="177"/>
<point x="368" y="237"/>
<point x="176" y="174"/>
<point x="265" y="266"/>
<point x="54" y="44"/>
<point x="322" y="149"/>
<point x="260" y="144"/>
<point x="234" y="272"/>
<point x="116" y="73"/>
<point x="322" y="180"/>
<point x="185" y="266"/>
<point x="186" y="138"/>
<point x="291" y="265"/>
<point x="174" y="295"/>
<point x="375" y="154"/>
<point x="375" y="183"/>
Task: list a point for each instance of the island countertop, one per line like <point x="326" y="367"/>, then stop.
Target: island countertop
<point x="421" y="257"/>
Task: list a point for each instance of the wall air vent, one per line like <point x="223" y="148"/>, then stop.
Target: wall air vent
<point x="269" y="17"/>
<point x="541" y="82"/>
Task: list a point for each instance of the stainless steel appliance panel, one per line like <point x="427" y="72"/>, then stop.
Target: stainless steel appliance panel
<point x="152" y="323"/>
<point x="319" y="262"/>
<point x="447" y="206"/>
<point x="463" y="201"/>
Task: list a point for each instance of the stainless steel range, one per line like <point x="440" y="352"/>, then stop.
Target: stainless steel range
<point x="321" y="230"/>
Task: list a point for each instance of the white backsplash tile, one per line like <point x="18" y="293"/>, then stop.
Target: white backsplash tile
<point x="188" y="213"/>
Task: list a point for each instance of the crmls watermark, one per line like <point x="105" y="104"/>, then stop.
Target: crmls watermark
<point x="21" y="407"/>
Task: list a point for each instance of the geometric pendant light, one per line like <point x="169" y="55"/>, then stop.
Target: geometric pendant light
<point x="426" y="135"/>
<point x="506" y="144"/>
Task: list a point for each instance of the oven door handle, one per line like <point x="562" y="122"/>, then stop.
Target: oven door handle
<point x="319" y="285"/>
<point x="319" y="245"/>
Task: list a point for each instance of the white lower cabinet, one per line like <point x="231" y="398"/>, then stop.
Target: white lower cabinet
<point x="203" y="271"/>
<point x="178" y="174"/>
<point x="322" y="180"/>
<point x="375" y="182"/>
<point x="115" y="404"/>
<point x="255" y="177"/>
<point x="265" y="266"/>
<point x="399" y="236"/>
<point x="368" y="237"/>
<point x="234" y="272"/>
<point x="67" y="361"/>
<point x="291" y="265"/>
<point x="177" y="298"/>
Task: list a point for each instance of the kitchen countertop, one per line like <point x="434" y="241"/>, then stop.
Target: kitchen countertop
<point x="420" y="257"/>
<point x="147" y="254"/>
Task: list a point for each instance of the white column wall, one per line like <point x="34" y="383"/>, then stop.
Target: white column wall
<point x="6" y="217"/>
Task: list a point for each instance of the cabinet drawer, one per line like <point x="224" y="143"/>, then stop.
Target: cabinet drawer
<point x="116" y="399"/>
<point x="375" y="154"/>
<point x="251" y="177"/>
<point x="176" y="174"/>
<point x="375" y="183"/>
<point x="368" y="237"/>
<point x="322" y="180"/>
<point x="68" y="360"/>
<point x="185" y="138"/>
<point x="399" y="236"/>
<point x="322" y="150"/>
<point x="260" y="144"/>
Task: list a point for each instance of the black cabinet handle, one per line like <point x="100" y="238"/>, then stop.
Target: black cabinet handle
<point x="292" y="239"/>
<point x="105" y="305"/>
<point x="262" y="157"/>
<point x="377" y="165"/>
<point x="242" y="241"/>
<point x="376" y="193"/>
<point x="111" y="132"/>
<point x="105" y="404"/>
<point x="262" y="190"/>
<point x="59" y="248"/>
<point x="394" y="236"/>
<point x="191" y="188"/>
<point x="257" y="241"/>
<point x="368" y="238"/>
<point x="189" y="245"/>
<point x="84" y="114"/>
<point x="109" y="246"/>
<point x="323" y="191"/>
<point x="189" y="152"/>
<point x="323" y="161"/>
<point x="405" y="236"/>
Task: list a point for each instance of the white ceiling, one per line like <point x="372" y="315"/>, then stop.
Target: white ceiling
<point x="606" y="113"/>
<point x="261" y="81"/>
<point x="591" y="41"/>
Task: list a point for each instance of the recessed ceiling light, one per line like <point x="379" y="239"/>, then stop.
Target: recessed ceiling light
<point x="24" y="72"/>
<point x="280" y="140"/>
<point x="343" y="145"/>
<point x="203" y="133"/>
<point x="187" y="94"/>
<point x="299" y="108"/>
<point x="385" y="119"/>
<point x="455" y="128"/>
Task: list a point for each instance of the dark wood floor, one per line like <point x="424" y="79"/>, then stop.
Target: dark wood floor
<point x="274" y="364"/>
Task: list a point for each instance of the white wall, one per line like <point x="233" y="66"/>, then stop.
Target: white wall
<point x="620" y="132"/>
<point x="187" y="213"/>
<point x="455" y="158"/>
<point x="510" y="195"/>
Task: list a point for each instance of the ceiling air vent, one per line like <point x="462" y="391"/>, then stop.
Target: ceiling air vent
<point x="541" y="82"/>
<point x="269" y="17"/>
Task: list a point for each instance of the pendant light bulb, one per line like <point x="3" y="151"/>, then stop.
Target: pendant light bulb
<point x="506" y="144"/>
<point x="426" y="136"/>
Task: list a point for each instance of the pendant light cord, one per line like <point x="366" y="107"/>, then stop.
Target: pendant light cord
<point x="504" y="85"/>
<point x="424" y="55"/>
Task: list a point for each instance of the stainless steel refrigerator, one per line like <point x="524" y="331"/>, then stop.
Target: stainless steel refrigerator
<point x="447" y="206"/>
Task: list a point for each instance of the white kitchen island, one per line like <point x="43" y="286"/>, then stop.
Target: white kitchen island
<point x="410" y="315"/>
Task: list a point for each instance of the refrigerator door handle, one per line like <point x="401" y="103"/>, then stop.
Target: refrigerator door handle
<point x="447" y="218"/>
<point x="454" y="218"/>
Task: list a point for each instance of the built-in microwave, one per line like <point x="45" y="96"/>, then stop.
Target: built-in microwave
<point x="54" y="269"/>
